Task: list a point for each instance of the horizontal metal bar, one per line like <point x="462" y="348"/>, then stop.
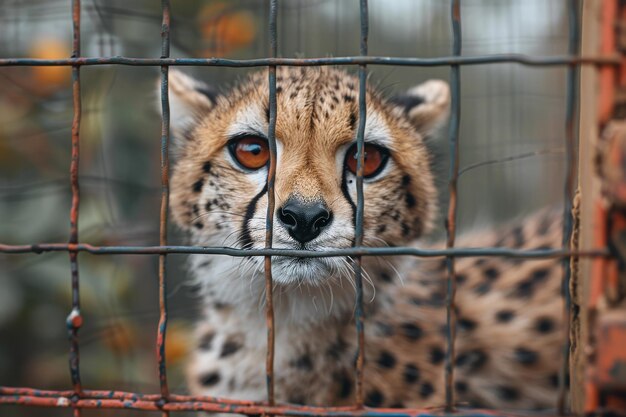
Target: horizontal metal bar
<point x="542" y="61"/>
<point x="296" y="253"/>
<point x="118" y="400"/>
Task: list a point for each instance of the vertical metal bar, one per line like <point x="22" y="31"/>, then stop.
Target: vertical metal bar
<point x="74" y="319"/>
<point x="269" y="219"/>
<point x="453" y="137"/>
<point x="165" y="166"/>
<point x="360" y="205"/>
<point x="571" y="145"/>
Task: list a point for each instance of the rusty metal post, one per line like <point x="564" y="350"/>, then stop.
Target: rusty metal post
<point x="605" y="381"/>
<point x="269" y="219"/>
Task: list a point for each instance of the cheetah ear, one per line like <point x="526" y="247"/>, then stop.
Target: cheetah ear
<point x="189" y="98"/>
<point x="426" y="105"/>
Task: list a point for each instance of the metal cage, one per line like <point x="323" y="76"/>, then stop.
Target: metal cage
<point x="80" y="398"/>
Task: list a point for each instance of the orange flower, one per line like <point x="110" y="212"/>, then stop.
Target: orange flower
<point x="224" y="28"/>
<point x="47" y="80"/>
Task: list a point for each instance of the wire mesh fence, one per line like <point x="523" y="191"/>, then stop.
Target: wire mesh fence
<point x="81" y="398"/>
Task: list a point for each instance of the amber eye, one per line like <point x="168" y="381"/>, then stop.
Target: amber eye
<point x="375" y="159"/>
<point x="251" y="152"/>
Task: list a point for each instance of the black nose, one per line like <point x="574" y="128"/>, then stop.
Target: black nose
<point x="304" y="220"/>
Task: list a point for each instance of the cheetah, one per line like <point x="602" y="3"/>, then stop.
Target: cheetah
<point x="509" y="311"/>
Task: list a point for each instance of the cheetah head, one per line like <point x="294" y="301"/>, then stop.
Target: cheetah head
<point x="219" y="183"/>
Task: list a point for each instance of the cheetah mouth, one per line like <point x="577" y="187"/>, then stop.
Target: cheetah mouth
<point x="313" y="271"/>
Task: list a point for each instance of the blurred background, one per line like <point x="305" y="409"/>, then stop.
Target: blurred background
<point x="512" y="119"/>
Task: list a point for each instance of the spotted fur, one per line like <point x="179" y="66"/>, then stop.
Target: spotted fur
<point x="509" y="311"/>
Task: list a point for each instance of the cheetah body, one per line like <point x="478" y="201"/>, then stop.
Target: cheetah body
<point x="509" y="312"/>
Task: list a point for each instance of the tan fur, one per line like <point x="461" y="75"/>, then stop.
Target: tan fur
<point x="509" y="311"/>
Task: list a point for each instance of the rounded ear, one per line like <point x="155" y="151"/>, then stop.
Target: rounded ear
<point x="189" y="99"/>
<point x="426" y="105"/>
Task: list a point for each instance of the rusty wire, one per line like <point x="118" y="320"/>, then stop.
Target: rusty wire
<point x="75" y="320"/>
<point x="271" y="201"/>
<point x="79" y="399"/>
<point x="453" y="138"/>
<point x="360" y="206"/>
<point x="163" y="215"/>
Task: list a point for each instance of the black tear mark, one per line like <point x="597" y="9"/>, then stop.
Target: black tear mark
<point x="246" y="238"/>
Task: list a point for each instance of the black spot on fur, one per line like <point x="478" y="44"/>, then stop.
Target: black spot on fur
<point x="206" y="167"/>
<point x="195" y="209"/>
<point x="539" y="275"/>
<point x="406" y="230"/>
<point x="385" y="277"/>
<point x="279" y="89"/>
<point x="426" y="390"/>
<point x="483" y="288"/>
<point x="473" y="360"/>
<point x="345" y="384"/>
<point x="206" y="341"/>
<point x="491" y="274"/>
<point x="197" y="186"/>
<point x="386" y="360"/>
<point x="348" y="99"/>
<point x="374" y="398"/>
<point x="526" y="356"/>
<point x="293" y="94"/>
<point x="544" y="325"/>
<point x="411" y="331"/>
<point x="382" y="228"/>
<point x="461" y="278"/>
<point x="304" y="363"/>
<point x="230" y="348"/>
<point x="198" y="225"/>
<point x="337" y="349"/>
<point x="209" y="379"/>
<point x="461" y="387"/>
<point x="505" y="316"/>
<point x="410" y="200"/>
<point x="436" y="355"/>
<point x="507" y="393"/>
<point x="411" y="373"/>
<point x="352" y="121"/>
<point x="467" y="324"/>
<point x="406" y="180"/>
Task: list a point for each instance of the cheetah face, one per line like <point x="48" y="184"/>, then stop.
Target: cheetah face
<point x="219" y="184"/>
